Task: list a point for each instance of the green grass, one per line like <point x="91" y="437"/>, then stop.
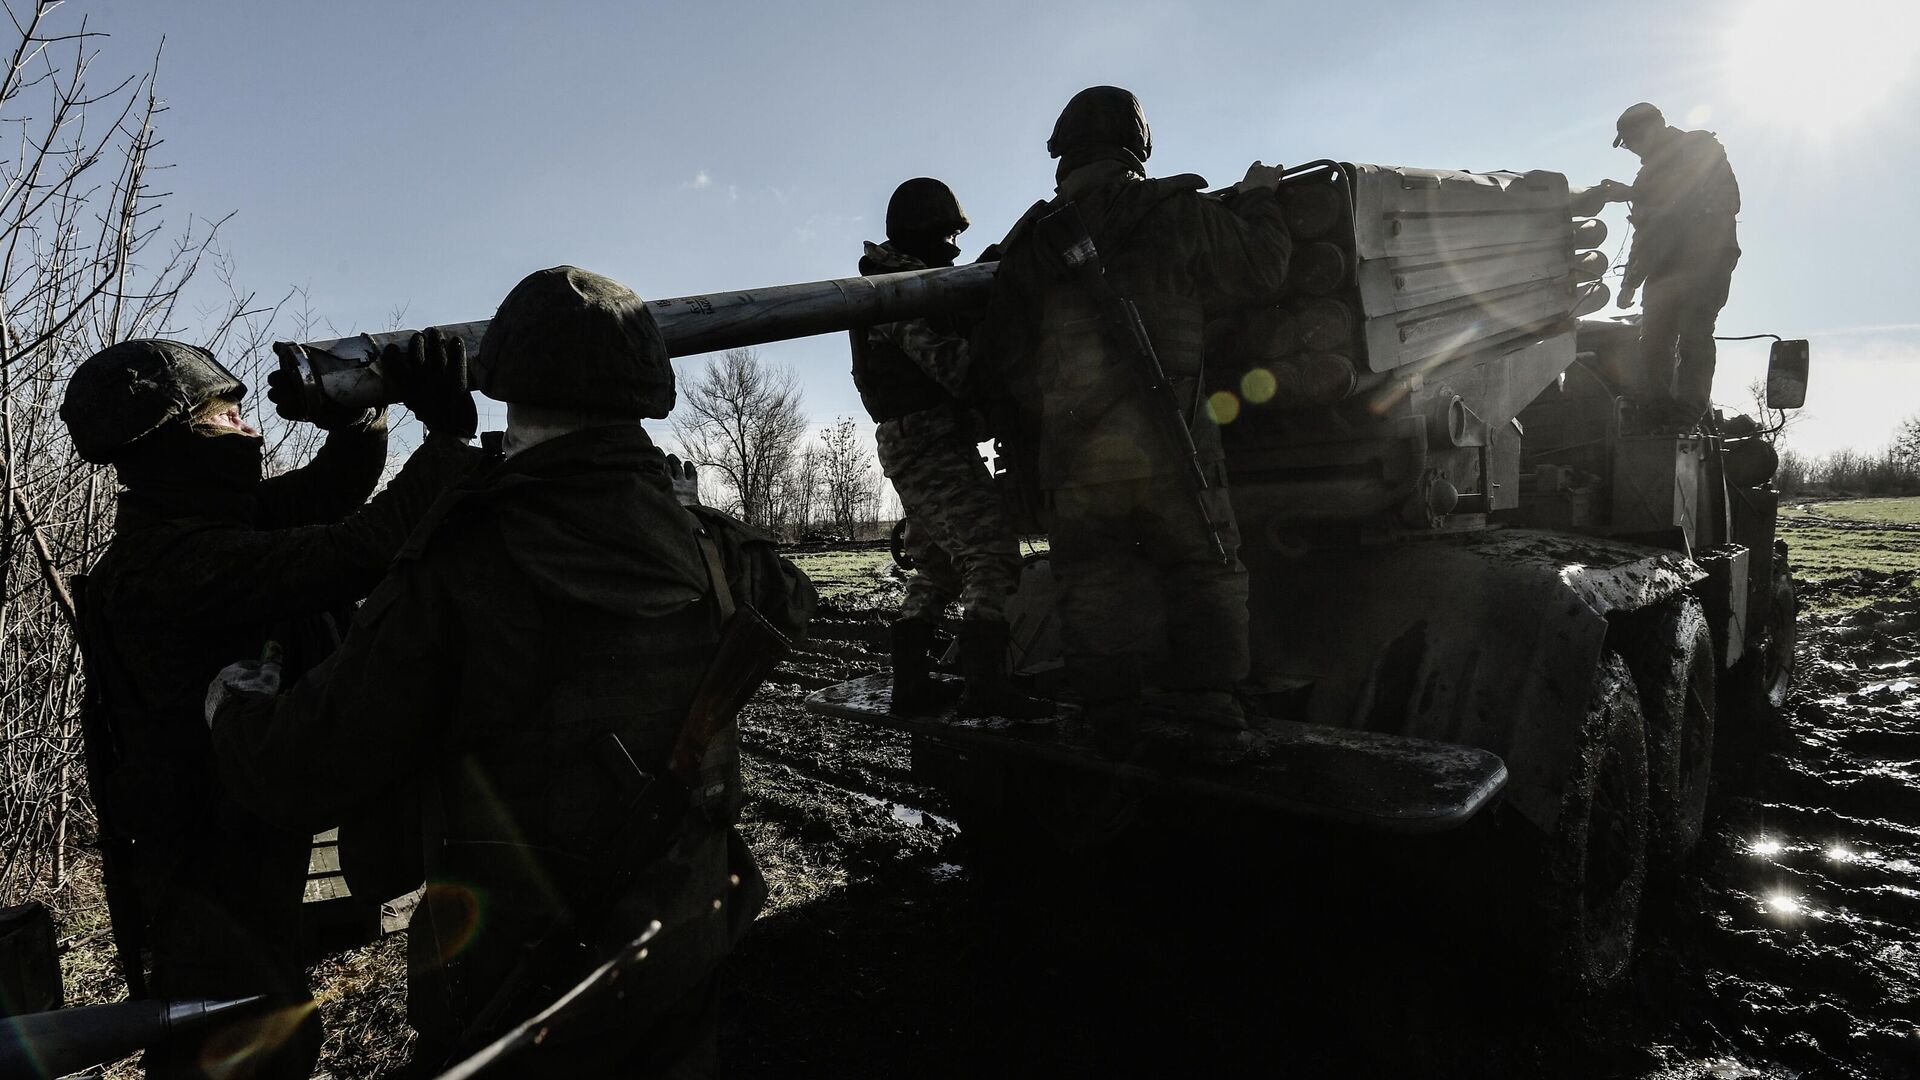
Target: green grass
<point x="1901" y="511"/>
<point x="1828" y="540"/>
<point x="845" y="574"/>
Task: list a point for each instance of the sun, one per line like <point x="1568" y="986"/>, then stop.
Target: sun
<point x="1819" y="66"/>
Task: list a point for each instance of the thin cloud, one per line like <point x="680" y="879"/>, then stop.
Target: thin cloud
<point x="700" y="180"/>
<point x="1863" y="331"/>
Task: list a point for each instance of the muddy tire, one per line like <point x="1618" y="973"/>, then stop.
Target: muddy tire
<point x="897" y="546"/>
<point x="1670" y="651"/>
<point x="1755" y="698"/>
<point x="1592" y="871"/>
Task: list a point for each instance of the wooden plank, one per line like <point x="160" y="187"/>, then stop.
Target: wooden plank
<point x="1386" y="782"/>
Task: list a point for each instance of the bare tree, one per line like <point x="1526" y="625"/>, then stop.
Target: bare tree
<point x="1773" y="422"/>
<point x="803" y="488"/>
<point x="741" y="417"/>
<point x="851" y="486"/>
<point x="86" y="260"/>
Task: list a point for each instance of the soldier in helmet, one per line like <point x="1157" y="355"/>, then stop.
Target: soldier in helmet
<point x="1685" y="200"/>
<point x="915" y="379"/>
<point x="523" y="676"/>
<point x="206" y="561"/>
<point x="1124" y="524"/>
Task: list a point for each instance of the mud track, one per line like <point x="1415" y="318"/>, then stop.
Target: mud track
<point x="1793" y="949"/>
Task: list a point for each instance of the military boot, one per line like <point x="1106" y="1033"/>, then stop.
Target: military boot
<point x="990" y="692"/>
<point x="1204" y="727"/>
<point x="915" y="690"/>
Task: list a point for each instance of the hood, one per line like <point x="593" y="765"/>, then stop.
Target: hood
<point x="590" y="517"/>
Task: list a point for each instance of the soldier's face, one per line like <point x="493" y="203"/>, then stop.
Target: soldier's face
<point x="225" y="419"/>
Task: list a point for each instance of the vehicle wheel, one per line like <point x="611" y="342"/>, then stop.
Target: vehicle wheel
<point x="1757" y="686"/>
<point x="1595" y="864"/>
<point x="897" y="545"/>
<point x="1670" y="650"/>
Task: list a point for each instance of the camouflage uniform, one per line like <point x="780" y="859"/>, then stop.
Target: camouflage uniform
<point x="913" y="376"/>
<point x="1123" y="519"/>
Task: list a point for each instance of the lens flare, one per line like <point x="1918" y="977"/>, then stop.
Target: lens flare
<point x="1258" y="386"/>
<point x="458" y="912"/>
<point x="1223" y="406"/>
<point x="235" y="1049"/>
<point x="1816" y="67"/>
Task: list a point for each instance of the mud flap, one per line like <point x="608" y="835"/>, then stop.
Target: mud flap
<point x="1386" y="782"/>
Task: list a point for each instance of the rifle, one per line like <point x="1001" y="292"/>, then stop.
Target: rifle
<point x="749" y="648"/>
<point x="1066" y="238"/>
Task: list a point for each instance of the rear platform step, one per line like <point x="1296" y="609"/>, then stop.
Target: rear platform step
<point x="1386" y="782"/>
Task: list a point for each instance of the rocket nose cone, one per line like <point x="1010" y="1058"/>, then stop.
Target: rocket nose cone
<point x="198" y="1011"/>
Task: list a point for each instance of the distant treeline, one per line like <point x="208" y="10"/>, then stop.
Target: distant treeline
<point x="1849" y="472"/>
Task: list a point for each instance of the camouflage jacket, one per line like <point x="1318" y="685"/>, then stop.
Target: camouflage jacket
<point x="907" y="366"/>
<point x="556" y="597"/>
<point x="1183" y="258"/>
<point x="1685" y="200"/>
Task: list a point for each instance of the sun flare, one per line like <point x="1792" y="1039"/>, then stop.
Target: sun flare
<point x="1815" y="67"/>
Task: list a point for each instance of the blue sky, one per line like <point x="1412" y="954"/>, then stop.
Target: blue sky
<point x="428" y="154"/>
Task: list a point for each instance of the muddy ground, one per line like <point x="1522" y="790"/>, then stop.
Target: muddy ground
<point x="894" y="946"/>
<point x="897" y="945"/>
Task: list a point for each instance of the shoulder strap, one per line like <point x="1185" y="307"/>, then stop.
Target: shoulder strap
<point x="716" y="566"/>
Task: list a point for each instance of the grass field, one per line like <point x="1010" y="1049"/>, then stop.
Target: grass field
<point x="1830" y="539"/>
<point x="844" y="575"/>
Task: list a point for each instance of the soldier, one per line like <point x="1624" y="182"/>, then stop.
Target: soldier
<point x="521" y="677"/>
<point x="1123" y="520"/>
<point x="913" y="377"/>
<point x="207" y="558"/>
<point x="1685" y="199"/>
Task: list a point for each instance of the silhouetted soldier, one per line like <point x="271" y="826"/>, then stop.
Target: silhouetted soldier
<point x="208" y="560"/>
<point x="1685" y="199"/>
<point x="521" y="681"/>
<point x="915" y="379"/>
<point x="1124" y="520"/>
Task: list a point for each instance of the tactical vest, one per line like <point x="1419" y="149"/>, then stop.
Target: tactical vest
<point x="891" y="385"/>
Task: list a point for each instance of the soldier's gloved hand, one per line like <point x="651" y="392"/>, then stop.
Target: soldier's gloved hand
<point x="1615" y="191"/>
<point x="430" y="374"/>
<point x="1626" y="297"/>
<point x="246" y="679"/>
<point x="1259" y="176"/>
<point x="290" y="400"/>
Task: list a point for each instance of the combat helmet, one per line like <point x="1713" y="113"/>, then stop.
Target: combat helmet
<point x="924" y="206"/>
<point x="1102" y="116"/>
<point x="136" y="387"/>
<point x="567" y="338"/>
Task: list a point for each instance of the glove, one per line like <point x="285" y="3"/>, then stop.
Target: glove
<point x="291" y="402"/>
<point x="245" y="679"/>
<point x="430" y="376"/>
<point x="1626" y="297"/>
<point x="1259" y="176"/>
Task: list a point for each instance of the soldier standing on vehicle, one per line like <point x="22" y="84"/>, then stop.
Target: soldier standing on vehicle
<point x="1685" y="200"/>
<point x="1125" y="523"/>
<point x="522" y="679"/>
<point x="914" y="378"/>
<point x="208" y="560"/>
